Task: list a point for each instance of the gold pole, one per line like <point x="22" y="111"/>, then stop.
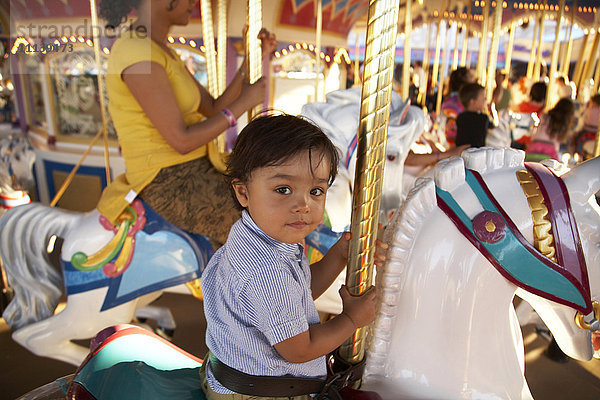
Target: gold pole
<point x="101" y="91"/>
<point x="438" y="105"/>
<point x="222" y="48"/>
<point x="579" y="63"/>
<point x="466" y="28"/>
<point x="436" y="61"/>
<point x="591" y="61"/>
<point x="209" y="43"/>
<point x="597" y="143"/>
<point x="491" y="73"/>
<point x="253" y="48"/>
<point x="455" y="52"/>
<point x="382" y="28"/>
<point x="509" y="51"/>
<point x="554" y="61"/>
<point x="319" y="30"/>
<point x="482" y="56"/>
<point x="407" y="49"/>
<point x="533" y="46"/>
<point x="537" y="68"/>
<point x="566" y="61"/>
<point x="71" y="175"/>
<point x="597" y="78"/>
<point x="356" y="66"/>
<point x="423" y="85"/>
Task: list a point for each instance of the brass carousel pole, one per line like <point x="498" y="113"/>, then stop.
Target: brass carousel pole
<point x="407" y="49"/>
<point x="491" y="72"/>
<point x="466" y="28"/>
<point x="554" y="61"/>
<point x="356" y="62"/>
<point x="533" y="46"/>
<point x="537" y="68"/>
<point x="579" y="64"/>
<point x="566" y="60"/>
<point x="319" y="30"/>
<point x="436" y="60"/>
<point x="455" y="51"/>
<point x="597" y="144"/>
<point x="101" y="89"/>
<point x="482" y="56"/>
<point x="222" y="48"/>
<point x="591" y="61"/>
<point x="423" y="85"/>
<point x="597" y="78"/>
<point x="253" y="49"/>
<point x="382" y="28"/>
<point x="438" y="104"/>
<point x="509" y="51"/>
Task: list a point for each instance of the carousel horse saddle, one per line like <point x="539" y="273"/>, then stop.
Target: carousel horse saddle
<point x="145" y="254"/>
<point x="128" y="362"/>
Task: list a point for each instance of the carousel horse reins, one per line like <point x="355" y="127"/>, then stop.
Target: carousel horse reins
<point x="555" y="268"/>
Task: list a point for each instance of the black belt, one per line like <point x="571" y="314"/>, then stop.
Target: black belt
<point x="263" y="386"/>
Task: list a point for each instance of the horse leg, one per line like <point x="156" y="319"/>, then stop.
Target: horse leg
<point x="80" y="319"/>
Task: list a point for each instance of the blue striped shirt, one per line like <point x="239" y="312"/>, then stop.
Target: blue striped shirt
<point x="256" y="294"/>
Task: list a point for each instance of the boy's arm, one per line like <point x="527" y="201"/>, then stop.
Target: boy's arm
<point x="322" y="339"/>
<point x="324" y="271"/>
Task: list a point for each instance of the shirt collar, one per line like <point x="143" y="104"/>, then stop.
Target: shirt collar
<point x="290" y="249"/>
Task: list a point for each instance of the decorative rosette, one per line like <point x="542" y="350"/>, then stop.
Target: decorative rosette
<point x="489" y="227"/>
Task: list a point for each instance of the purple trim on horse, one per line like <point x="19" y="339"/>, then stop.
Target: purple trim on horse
<point x="564" y="229"/>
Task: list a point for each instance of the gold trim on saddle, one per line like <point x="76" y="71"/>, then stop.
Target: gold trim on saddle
<point x="543" y="239"/>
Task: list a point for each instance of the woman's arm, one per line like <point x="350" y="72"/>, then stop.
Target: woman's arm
<point x="160" y="105"/>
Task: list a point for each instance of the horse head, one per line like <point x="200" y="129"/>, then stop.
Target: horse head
<point x="461" y="246"/>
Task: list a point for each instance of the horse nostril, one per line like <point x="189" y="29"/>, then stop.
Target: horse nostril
<point x="391" y="157"/>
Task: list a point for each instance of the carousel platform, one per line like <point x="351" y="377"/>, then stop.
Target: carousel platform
<point x="548" y="380"/>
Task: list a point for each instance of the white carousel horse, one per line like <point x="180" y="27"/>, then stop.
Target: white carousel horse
<point x="338" y="117"/>
<point x="108" y="271"/>
<point x="16" y="177"/>
<point x="446" y="328"/>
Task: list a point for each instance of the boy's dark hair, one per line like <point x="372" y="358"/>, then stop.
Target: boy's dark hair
<point x="538" y="91"/>
<point x="468" y="92"/>
<point x="269" y="140"/>
<point x="458" y="78"/>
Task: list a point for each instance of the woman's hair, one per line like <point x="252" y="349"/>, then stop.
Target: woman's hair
<point x="271" y="140"/>
<point x="561" y="117"/>
<point x="115" y="11"/>
<point x="458" y="77"/>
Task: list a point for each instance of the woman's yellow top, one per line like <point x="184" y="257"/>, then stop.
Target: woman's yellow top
<point x="145" y="151"/>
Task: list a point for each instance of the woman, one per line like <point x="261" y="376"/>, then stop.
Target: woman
<point x="554" y="128"/>
<point x="164" y="120"/>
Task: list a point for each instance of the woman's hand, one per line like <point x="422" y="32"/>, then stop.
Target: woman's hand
<point x="268" y="42"/>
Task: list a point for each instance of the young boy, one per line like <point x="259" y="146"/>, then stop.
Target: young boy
<point x="472" y="124"/>
<point x="258" y="288"/>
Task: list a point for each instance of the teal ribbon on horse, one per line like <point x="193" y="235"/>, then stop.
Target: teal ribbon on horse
<point x="496" y="236"/>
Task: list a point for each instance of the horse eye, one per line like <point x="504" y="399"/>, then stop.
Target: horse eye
<point x="391" y="157"/>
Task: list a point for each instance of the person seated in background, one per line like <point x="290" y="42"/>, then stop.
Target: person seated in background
<point x="472" y="124"/>
<point x="554" y="128"/>
<point x="583" y="140"/>
<point x="537" y="99"/>
<point x="451" y="106"/>
<point x="501" y="96"/>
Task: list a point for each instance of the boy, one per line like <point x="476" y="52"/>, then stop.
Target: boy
<point x="258" y="288"/>
<point x="472" y="124"/>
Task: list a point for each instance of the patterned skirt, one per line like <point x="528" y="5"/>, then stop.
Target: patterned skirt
<point x="196" y="197"/>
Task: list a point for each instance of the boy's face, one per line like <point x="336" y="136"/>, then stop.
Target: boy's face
<point x="479" y="103"/>
<point x="287" y="201"/>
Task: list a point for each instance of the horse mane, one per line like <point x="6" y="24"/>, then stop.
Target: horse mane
<point x="403" y="229"/>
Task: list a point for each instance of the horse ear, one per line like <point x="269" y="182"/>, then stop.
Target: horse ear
<point x="583" y="181"/>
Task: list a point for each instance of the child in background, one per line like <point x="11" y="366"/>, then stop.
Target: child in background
<point x="472" y="124"/>
<point x="258" y="288"/>
<point x="554" y="129"/>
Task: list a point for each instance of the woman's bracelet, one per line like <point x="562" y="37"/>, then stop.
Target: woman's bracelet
<point x="437" y="156"/>
<point x="230" y="117"/>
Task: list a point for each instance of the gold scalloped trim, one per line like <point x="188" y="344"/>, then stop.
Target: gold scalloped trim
<point x="543" y="239"/>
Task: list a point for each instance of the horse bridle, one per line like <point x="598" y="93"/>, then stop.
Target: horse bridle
<point x="555" y="267"/>
<point x="530" y="180"/>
